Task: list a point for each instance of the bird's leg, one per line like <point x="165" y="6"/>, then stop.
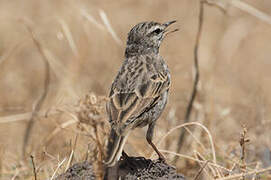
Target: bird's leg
<point x="149" y="139"/>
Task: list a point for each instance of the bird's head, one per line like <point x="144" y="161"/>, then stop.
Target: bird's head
<point x="149" y="34"/>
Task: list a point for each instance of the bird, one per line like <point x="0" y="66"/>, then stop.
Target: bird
<point x="139" y="92"/>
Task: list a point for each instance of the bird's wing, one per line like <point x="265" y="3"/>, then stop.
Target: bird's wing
<point x="124" y="106"/>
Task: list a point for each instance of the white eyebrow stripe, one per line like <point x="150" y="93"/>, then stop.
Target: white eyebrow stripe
<point x="154" y="28"/>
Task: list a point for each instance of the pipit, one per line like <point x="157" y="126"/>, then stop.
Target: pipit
<point x="139" y="92"/>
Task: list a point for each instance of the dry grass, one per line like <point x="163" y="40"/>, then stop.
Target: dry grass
<point x="83" y="43"/>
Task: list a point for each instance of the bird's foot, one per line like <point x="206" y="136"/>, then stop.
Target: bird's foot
<point x="124" y="155"/>
<point x="162" y="158"/>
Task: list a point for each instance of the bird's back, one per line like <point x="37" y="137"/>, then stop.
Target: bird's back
<point x="138" y="70"/>
<point x="139" y="84"/>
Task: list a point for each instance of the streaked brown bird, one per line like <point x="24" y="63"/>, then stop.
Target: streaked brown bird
<point x="139" y="92"/>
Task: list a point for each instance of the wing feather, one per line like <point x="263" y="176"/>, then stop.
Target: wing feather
<point x="123" y="107"/>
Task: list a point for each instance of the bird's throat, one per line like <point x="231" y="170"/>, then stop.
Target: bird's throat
<point x="136" y="49"/>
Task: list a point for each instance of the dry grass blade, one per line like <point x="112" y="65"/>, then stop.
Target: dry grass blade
<point x="201" y="158"/>
<point x="57" y="67"/>
<point x="1" y="159"/>
<point x="15" y="48"/>
<point x="72" y="153"/>
<point x="109" y="27"/>
<point x="189" y="124"/>
<point x="69" y="37"/>
<point x="251" y="10"/>
<point x="58" y="129"/>
<point x="222" y="5"/>
<point x="200" y="171"/>
<point x="23" y="116"/>
<point x="193" y="159"/>
<point x="60" y="71"/>
<point x="245" y="174"/>
<point x="91" y="19"/>
<point x="58" y="166"/>
<point x="195" y="138"/>
<point x="106" y="27"/>
<point x="15" y="118"/>
<point x="15" y="175"/>
<point x="40" y="101"/>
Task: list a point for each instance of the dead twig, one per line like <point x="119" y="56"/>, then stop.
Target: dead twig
<point x="196" y="81"/>
<point x="43" y="96"/>
<point x="200" y="171"/>
<point x="243" y="141"/>
<point x="34" y="167"/>
<point x="212" y="169"/>
<point x="218" y="4"/>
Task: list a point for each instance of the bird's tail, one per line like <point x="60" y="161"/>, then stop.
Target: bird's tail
<point x="114" y="147"/>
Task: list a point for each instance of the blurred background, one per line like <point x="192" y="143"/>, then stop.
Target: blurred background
<point x="84" y="43"/>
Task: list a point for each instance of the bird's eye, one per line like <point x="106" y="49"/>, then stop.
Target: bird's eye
<point x="157" y="31"/>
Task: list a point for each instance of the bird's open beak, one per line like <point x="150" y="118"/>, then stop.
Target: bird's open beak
<point x="167" y="24"/>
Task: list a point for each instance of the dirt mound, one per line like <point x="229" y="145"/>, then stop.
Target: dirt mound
<point x="131" y="168"/>
<point x="79" y="171"/>
<point x="141" y="168"/>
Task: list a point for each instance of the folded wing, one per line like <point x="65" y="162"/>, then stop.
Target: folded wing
<point x="125" y="107"/>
